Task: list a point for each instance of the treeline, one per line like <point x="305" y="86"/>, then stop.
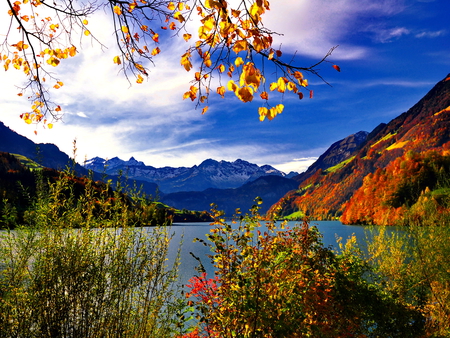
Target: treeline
<point x="22" y="188"/>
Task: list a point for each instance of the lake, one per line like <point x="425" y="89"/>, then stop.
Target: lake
<point x="329" y="229"/>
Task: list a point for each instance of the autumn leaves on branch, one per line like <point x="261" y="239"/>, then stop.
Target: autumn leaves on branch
<point x="232" y="43"/>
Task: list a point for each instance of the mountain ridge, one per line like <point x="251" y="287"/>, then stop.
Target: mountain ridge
<point x="424" y="127"/>
<point x="208" y="174"/>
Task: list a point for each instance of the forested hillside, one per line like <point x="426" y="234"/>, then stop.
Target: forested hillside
<point x="423" y="128"/>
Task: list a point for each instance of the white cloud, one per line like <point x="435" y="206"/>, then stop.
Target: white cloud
<point x="431" y="34"/>
<point x="312" y="27"/>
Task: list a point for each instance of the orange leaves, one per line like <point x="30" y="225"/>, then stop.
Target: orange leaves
<point x="139" y="79"/>
<point x="58" y="85"/>
<point x="221" y="91"/>
<point x="270" y="113"/>
<point x="52" y="61"/>
<point x="187" y="37"/>
<point x="117" y="10"/>
<point x="20" y="46"/>
<point x="155" y="51"/>
<point x="337" y="68"/>
<point x="240" y="46"/>
<point x="186" y="62"/>
<point x="192" y="93"/>
<point x="250" y="76"/>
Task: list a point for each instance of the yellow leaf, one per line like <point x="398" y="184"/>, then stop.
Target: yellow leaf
<point x="171" y="6"/>
<point x="87" y="33"/>
<point x="245" y="94"/>
<point x="212" y="3"/>
<point x="117" y="60"/>
<point x="263" y="112"/>
<point x="139" y="79"/>
<point x="221" y="68"/>
<point x="178" y="16"/>
<point x="125" y="29"/>
<point x="53" y="61"/>
<point x="204" y="110"/>
<point x="240" y="46"/>
<point x="221" y="91"/>
<point x="117" y="10"/>
<point x="50" y="125"/>
<point x="187" y="36"/>
<point x="281" y="85"/>
<point x="156" y="51"/>
<point x="273" y="86"/>
<point x="232" y="86"/>
<point x="185" y="62"/>
<point x="85" y="22"/>
<point x="238" y="61"/>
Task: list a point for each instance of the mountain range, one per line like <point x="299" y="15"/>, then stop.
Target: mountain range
<point x="209" y="174"/>
<point x="398" y="167"/>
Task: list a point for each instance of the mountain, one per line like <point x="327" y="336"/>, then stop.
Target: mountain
<point x="209" y="174"/>
<point x="48" y="155"/>
<point x="336" y="153"/>
<point x="412" y="147"/>
<point x="270" y="188"/>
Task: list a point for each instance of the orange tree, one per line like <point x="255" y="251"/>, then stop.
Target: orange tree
<point x="231" y="44"/>
<point x="272" y="281"/>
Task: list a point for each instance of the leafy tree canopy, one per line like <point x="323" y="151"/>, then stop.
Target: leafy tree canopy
<point x="229" y="51"/>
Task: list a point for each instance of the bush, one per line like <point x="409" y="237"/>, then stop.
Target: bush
<point x="81" y="266"/>
<point x="273" y="281"/>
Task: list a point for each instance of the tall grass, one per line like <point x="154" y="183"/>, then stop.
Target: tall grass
<point x="82" y="265"/>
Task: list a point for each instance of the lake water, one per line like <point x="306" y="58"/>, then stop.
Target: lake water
<point x="329" y="229"/>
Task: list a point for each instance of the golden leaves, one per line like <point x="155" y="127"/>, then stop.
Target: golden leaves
<point x="186" y="62"/>
<point x="117" y="10"/>
<point x="221" y="91"/>
<point x="116" y="60"/>
<point x="270" y="113"/>
<point x="192" y="93"/>
<point x="155" y="51"/>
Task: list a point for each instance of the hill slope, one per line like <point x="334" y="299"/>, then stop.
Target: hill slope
<point x="424" y="127"/>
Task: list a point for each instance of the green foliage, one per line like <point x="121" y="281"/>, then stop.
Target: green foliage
<point x="415" y="264"/>
<point x="339" y="165"/>
<point x="82" y="266"/>
<point x="273" y="281"/>
<point x="295" y="216"/>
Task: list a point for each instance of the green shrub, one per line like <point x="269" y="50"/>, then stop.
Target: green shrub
<point x="81" y="266"/>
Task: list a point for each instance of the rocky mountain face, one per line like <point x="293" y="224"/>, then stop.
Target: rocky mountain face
<point x="209" y="174"/>
<point x="327" y="193"/>
<point x="336" y="153"/>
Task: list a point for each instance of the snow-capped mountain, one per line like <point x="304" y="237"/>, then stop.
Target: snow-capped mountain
<point x="209" y="174"/>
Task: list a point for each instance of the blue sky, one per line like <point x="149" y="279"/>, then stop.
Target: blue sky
<point x="391" y="53"/>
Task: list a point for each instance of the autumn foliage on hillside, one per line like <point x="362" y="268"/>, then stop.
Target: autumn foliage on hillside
<point x="326" y="194"/>
<point x="409" y="182"/>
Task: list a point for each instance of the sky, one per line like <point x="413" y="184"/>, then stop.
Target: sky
<point x="390" y="52"/>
